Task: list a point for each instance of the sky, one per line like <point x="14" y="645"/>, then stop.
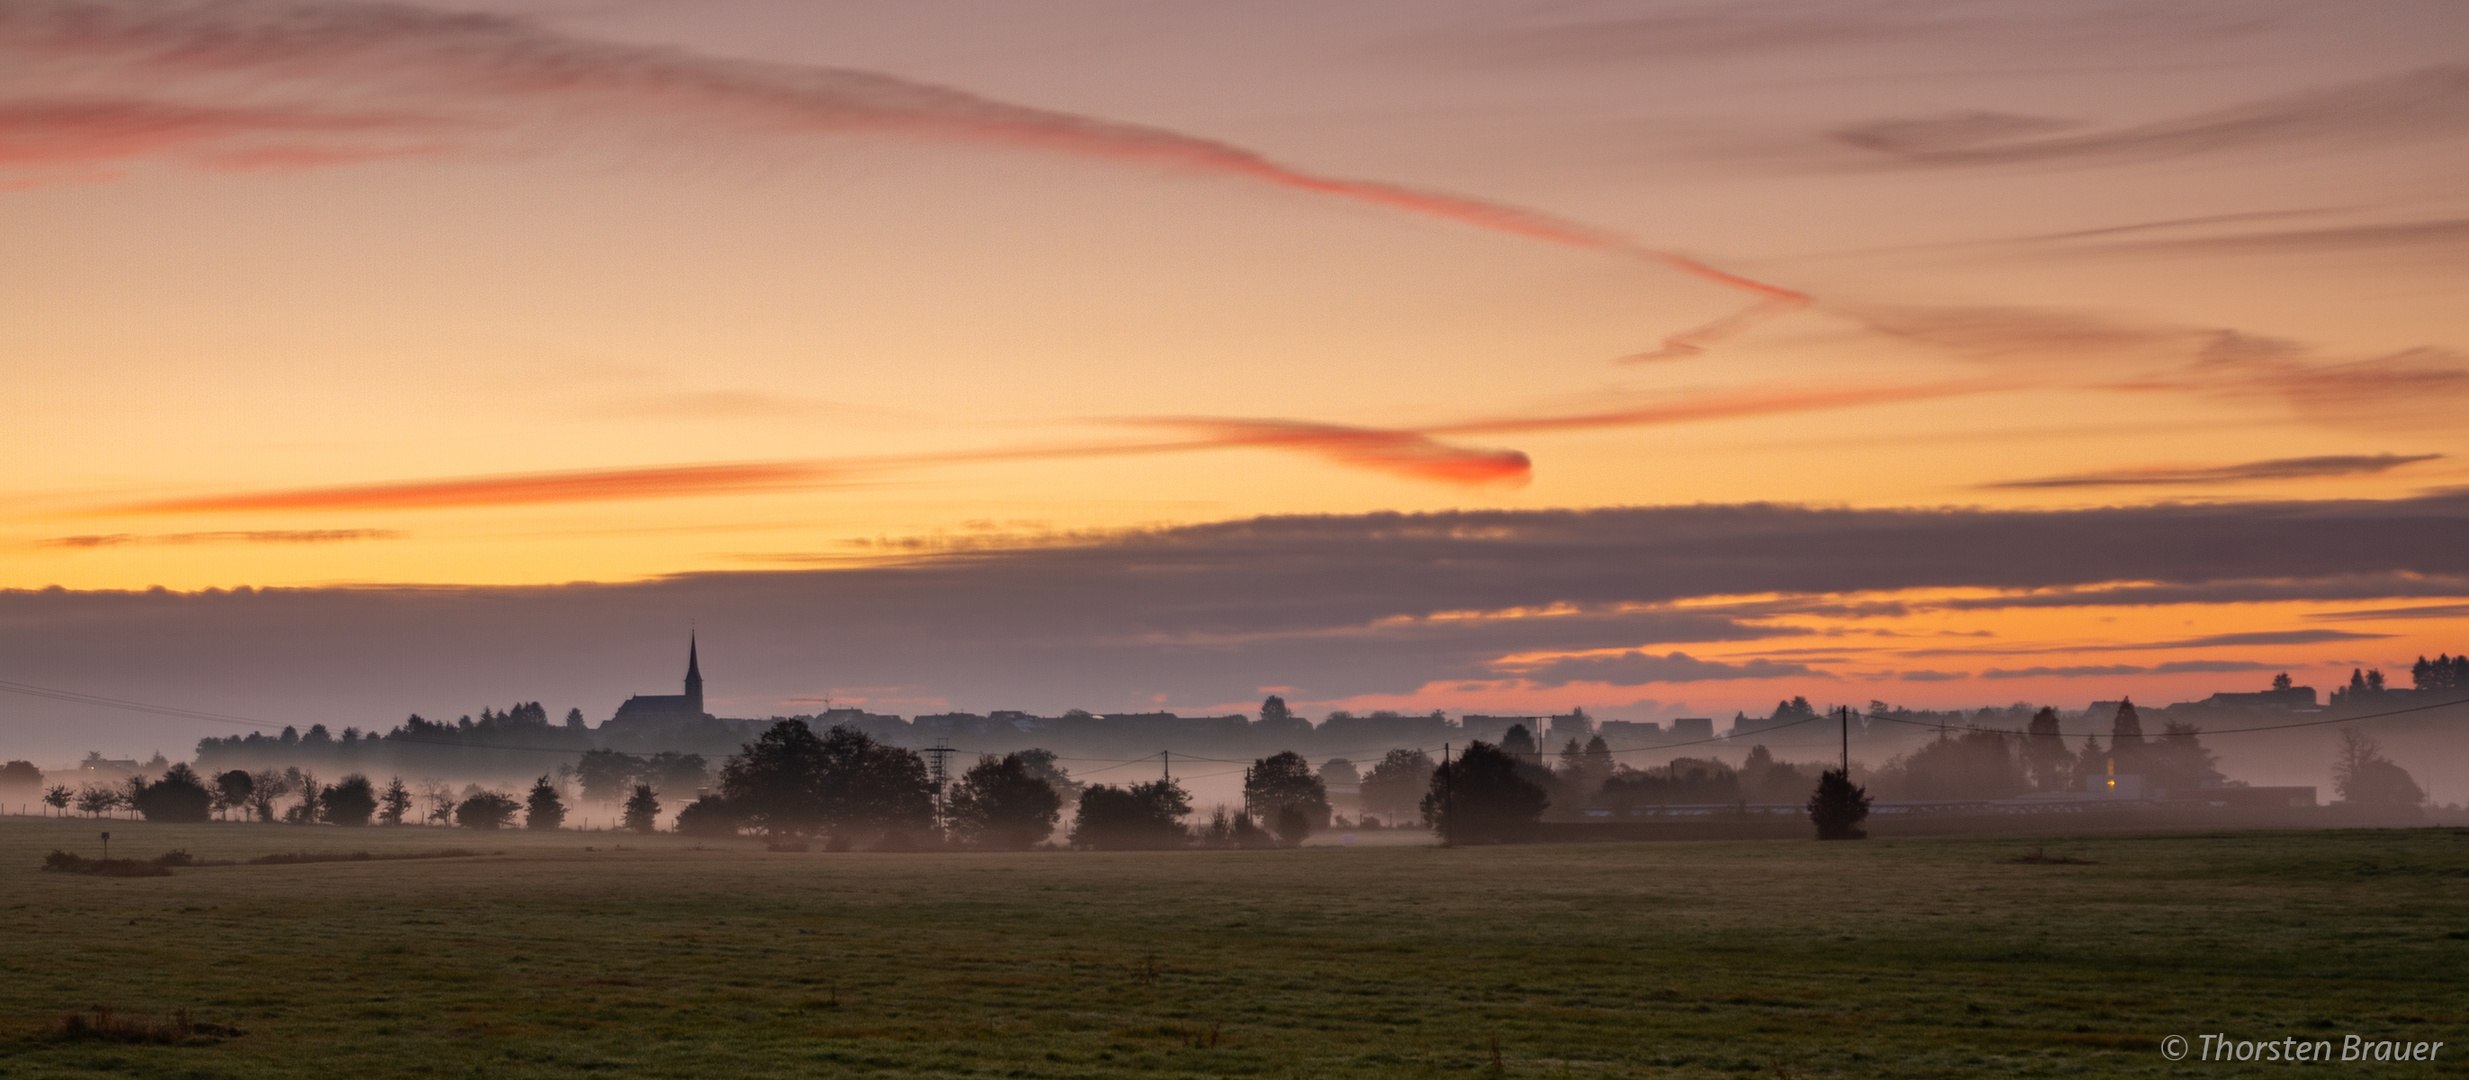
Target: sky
<point x="1657" y="358"/>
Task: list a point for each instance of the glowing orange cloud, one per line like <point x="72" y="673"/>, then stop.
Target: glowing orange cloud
<point x="1406" y="453"/>
<point x="587" y="485"/>
<point x="331" y="51"/>
<point x="1413" y="453"/>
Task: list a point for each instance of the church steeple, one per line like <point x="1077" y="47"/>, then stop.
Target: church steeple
<point x="694" y="677"/>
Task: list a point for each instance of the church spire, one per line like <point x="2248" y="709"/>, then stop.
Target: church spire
<point x="694" y="676"/>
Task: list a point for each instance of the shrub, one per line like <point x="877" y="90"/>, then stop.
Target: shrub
<point x="486" y="810"/>
<point x="178" y="797"/>
<point x="709" y="816"/>
<point x="351" y="802"/>
<point x="1293" y="824"/>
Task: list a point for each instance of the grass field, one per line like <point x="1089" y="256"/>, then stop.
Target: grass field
<point x="1906" y="958"/>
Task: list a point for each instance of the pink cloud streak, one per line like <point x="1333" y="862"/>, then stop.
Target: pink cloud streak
<point x="481" y="63"/>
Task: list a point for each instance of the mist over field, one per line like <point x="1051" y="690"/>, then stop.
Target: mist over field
<point x="1798" y="538"/>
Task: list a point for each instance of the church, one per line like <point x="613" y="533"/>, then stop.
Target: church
<point x="662" y="710"/>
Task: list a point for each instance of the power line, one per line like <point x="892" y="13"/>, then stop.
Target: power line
<point x="31" y="690"/>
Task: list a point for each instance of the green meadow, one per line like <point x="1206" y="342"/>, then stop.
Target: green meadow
<point x="594" y="954"/>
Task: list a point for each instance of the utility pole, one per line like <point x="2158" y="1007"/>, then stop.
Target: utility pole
<point x="1446" y="808"/>
<point x="936" y="756"/>
<point x="1848" y="742"/>
<point x="1167" y="757"/>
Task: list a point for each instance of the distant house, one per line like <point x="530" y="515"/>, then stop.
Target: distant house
<point x="1693" y="727"/>
<point x="2295" y="697"/>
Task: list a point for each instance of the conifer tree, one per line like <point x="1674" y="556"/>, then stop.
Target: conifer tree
<point x="643" y="809"/>
<point x="1838" y="806"/>
<point x="543" y="809"/>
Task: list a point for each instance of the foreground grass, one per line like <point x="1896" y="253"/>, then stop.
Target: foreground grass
<point x="1907" y="958"/>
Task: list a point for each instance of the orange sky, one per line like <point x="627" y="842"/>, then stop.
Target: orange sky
<point x="306" y="295"/>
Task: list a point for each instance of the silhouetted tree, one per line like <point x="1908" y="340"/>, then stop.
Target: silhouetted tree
<point x="2092" y="761"/>
<point x="96" y="800"/>
<point x="574" y="720"/>
<point x="486" y="810"/>
<point x="2178" y="761"/>
<point x="605" y="775"/>
<point x="1237" y="830"/>
<point x="1976" y="763"/>
<point x="1339" y="772"/>
<point x="2045" y="758"/>
<point x="1141" y="816"/>
<point x="265" y="786"/>
<point x="2362" y="775"/>
<point x="1000" y="804"/>
<point x="788" y="782"/>
<point x="21" y="778"/>
<point x="1041" y="764"/>
<point x="1394" y="788"/>
<point x="1519" y="744"/>
<point x="672" y="771"/>
<point x="57" y="797"/>
<point x="1593" y="766"/>
<point x="180" y="796"/>
<point x="1284" y="779"/>
<point x="351" y="801"/>
<point x="1292" y="824"/>
<point x="232" y="790"/>
<point x="774" y="783"/>
<point x="2431" y="675"/>
<point x="542" y="808"/>
<point x="310" y="791"/>
<point x="1838" y="806"/>
<point x="2126" y="739"/>
<point x="396" y="803"/>
<point x="440" y="797"/>
<point x="1277" y="720"/>
<point x="2282" y="681"/>
<point x="710" y="816"/>
<point x="1481" y="799"/>
<point x="643" y="810"/>
<point x="1765" y="780"/>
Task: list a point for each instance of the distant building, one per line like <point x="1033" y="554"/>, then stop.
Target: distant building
<point x="2295" y="697"/>
<point x="1693" y="727"/>
<point x="1630" y="732"/>
<point x="662" y="710"/>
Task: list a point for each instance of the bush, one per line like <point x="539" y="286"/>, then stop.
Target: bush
<point x="2362" y="775"/>
<point x="486" y="810"/>
<point x="67" y="863"/>
<point x="350" y="802"/>
<point x="178" y="797"/>
<point x="709" y="816"/>
<point x="1293" y="824"/>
